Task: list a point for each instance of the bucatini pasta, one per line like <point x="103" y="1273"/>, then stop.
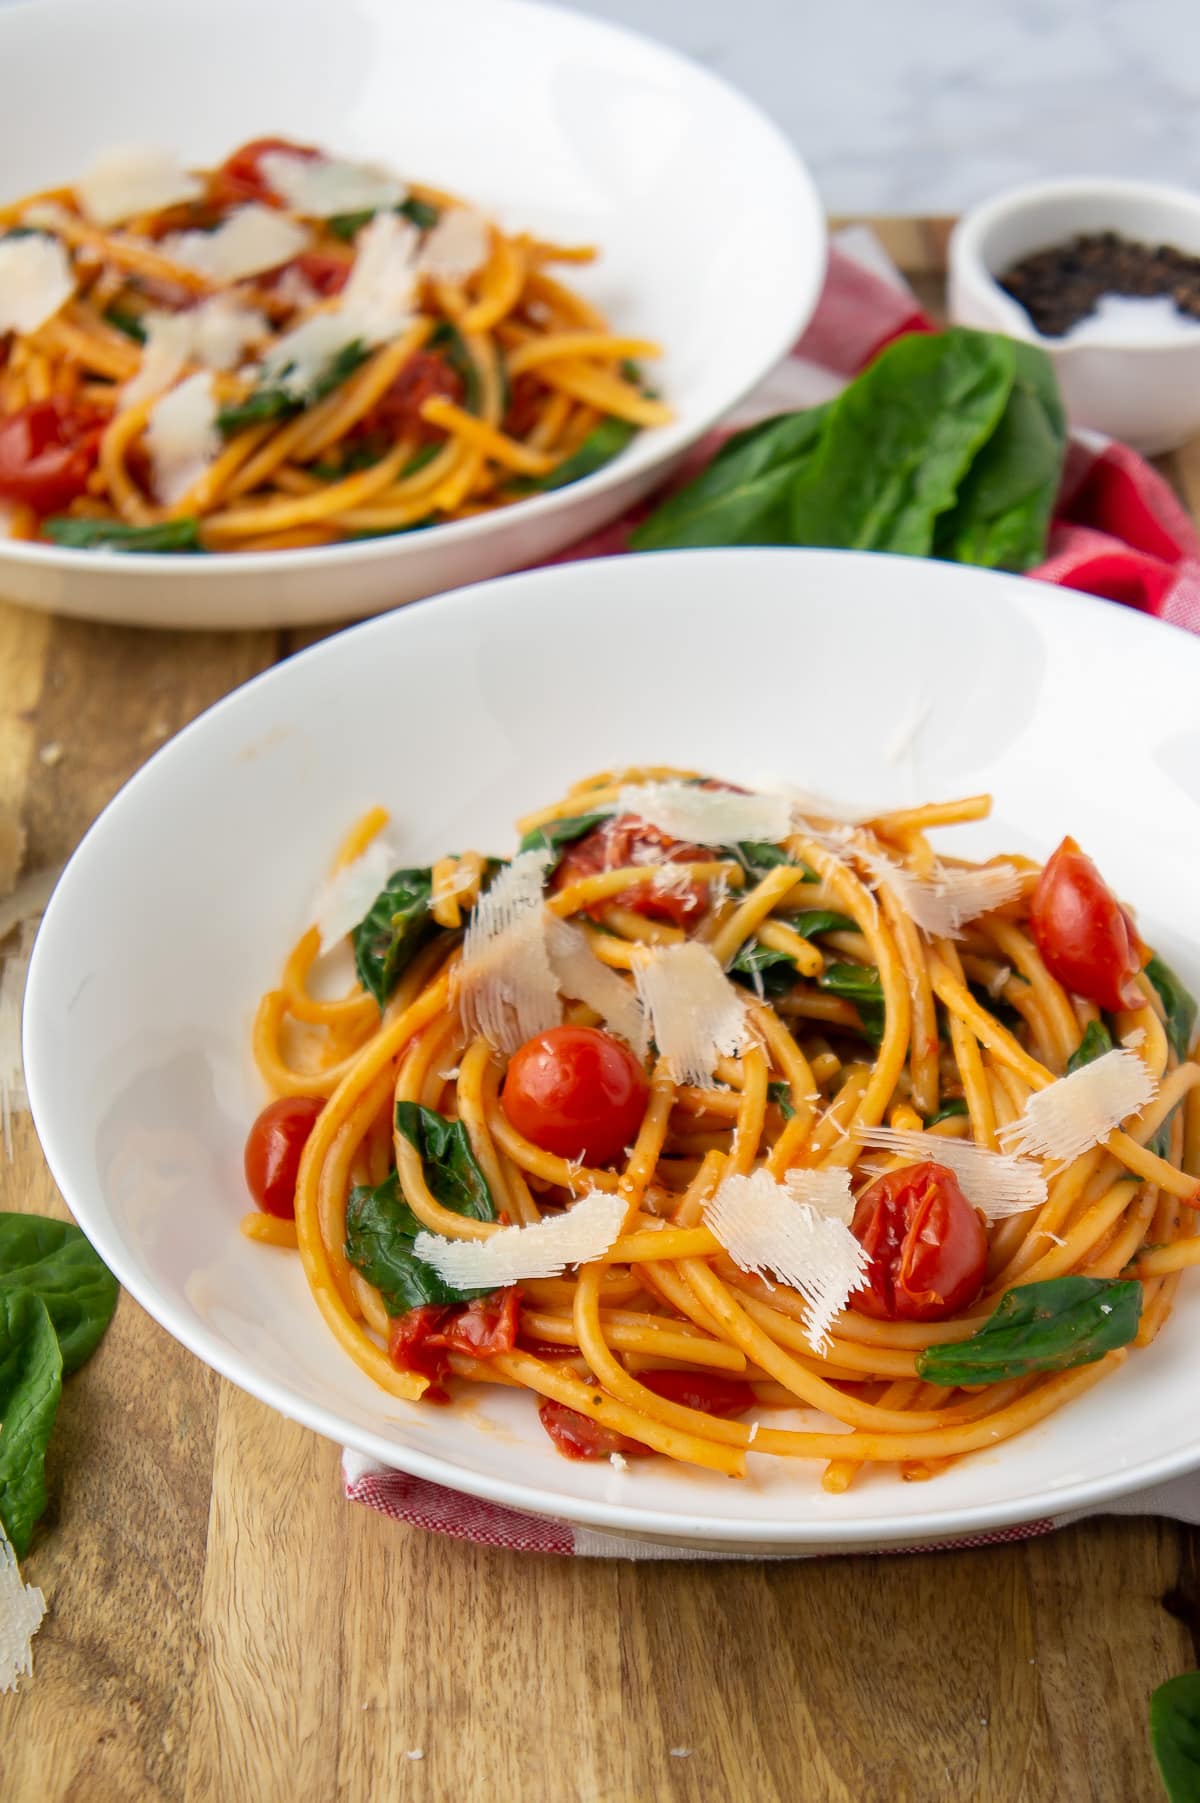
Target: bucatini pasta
<point x="706" y="1104"/>
<point x="289" y="350"/>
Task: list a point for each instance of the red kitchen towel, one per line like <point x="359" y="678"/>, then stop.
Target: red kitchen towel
<point x="1118" y="532"/>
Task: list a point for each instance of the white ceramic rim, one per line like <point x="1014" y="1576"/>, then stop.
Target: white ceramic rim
<point x="971" y="229"/>
<point x="627" y="1520"/>
<point x="668" y="441"/>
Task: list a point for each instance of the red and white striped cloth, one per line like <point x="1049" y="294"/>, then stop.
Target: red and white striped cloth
<point x="1119" y="533"/>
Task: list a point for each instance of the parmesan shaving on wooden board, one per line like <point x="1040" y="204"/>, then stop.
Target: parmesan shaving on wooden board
<point x="1074" y="1113"/>
<point x="345" y="899"/>
<point x="581" y="974"/>
<point x="696" y="1014"/>
<point x="707" y="816"/>
<point x="507" y="989"/>
<point x="993" y="1182"/>
<point x="22" y="1607"/>
<point x="545" y="1249"/>
<point x="767" y="1230"/>
<point x="120" y="184"/>
<point x="35" y="280"/>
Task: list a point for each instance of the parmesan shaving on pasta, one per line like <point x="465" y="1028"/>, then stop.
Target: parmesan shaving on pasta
<point x="215" y="335"/>
<point x="457" y="245"/>
<point x="943" y="904"/>
<point x="997" y="1184"/>
<point x="345" y="899"/>
<point x="581" y="974"/>
<point x="1080" y="1111"/>
<point x="182" y="438"/>
<point x="22" y="1607"/>
<point x="248" y="241"/>
<point x="582" y="1232"/>
<point x="827" y="1192"/>
<point x="35" y="280"/>
<point x="766" y="1230"/>
<point x="120" y="184"/>
<point x="321" y="187"/>
<point x="707" y="816"/>
<point x="696" y="1014"/>
<point x="507" y="990"/>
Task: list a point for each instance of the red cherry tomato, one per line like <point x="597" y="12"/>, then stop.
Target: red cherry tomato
<point x="398" y="409"/>
<point x="576" y="1092"/>
<point x="423" y="1338"/>
<point x="1084" y="934"/>
<point x="577" y="1436"/>
<point x="47" y="452"/>
<point x="704" y="1390"/>
<point x="323" y="271"/>
<point x="627" y="840"/>
<point x="409" y="1348"/>
<point x="927" y="1246"/>
<point x="273" y="1148"/>
<point x="240" y="179"/>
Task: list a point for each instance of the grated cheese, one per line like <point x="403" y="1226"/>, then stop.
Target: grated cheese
<point x="827" y="1192"/>
<point x="321" y="187"/>
<point x="214" y="335"/>
<point x="766" y="1230"/>
<point x="35" y="280"/>
<point x="457" y="246"/>
<point x="345" y="898"/>
<point x="248" y="241"/>
<point x="696" y="1014"/>
<point x="544" y="1249"/>
<point x="997" y="1184"/>
<point x="581" y="974"/>
<point x="942" y="905"/>
<point x="182" y="438"/>
<point x="708" y="816"/>
<point x="120" y="184"/>
<point x="22" y="1607"/>
<point x="507" y="990"/>
<point x="1080" y="1111"/>
<point x="1135" y="1037"/>
<point x="618" y="1461"/>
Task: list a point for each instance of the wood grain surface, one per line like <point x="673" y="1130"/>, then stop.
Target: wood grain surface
<point x="223" y="1626"/>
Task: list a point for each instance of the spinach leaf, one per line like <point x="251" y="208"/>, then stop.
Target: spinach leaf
<point x="1002" y="515"/>
<point x="448" y="338"/>
<point x="741" y="498"/>
<point x="391" y="934"/>
<point x="380" y="1231"/>
<point x="1175" y="1735"/>
<point x="781" y="1094"/>
<point x="30" y="1386"/>
<point x="114" y="535"/>
<point x="56" y="1262"/>
<point x="813" y="921"/>
<point x="1051" y="1326"/>
<point x="600" y="446"/>
<point x="347" y="225"/>
<point x="557" y="833"/>
<point x="453" y="1176"/>
<point x="858" y="983"/>
<point x="274" y="402"/>
<point x="1095" y="1042"/>
<point x="899" y="441"/>
<point x="957" y="1105"/>
<point x="757" y="856"/>
<point x="760" y="967"/>
<point x="1178" y="1002"/>
<point x="124" y="321"/>
<point x="422" y="213"/>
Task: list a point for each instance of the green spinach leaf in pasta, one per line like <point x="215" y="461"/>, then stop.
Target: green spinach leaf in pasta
<point x="1051" y="1326"/>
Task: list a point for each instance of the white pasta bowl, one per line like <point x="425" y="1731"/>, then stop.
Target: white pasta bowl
<point x="711" y="234"/>
<point x="177" y="909"/>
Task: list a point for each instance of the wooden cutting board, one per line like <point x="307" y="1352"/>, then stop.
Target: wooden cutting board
<point x="223" y="1626"/>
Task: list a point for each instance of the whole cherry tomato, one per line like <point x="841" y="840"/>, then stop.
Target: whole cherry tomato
<point x="273" y="1148"/>
<point x="1084" y="934"/>
<point x="926" y="1245"/>
<point x="577" y="1092"/>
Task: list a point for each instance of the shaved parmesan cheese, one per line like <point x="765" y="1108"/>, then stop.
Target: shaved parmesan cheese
<point x="809" y="802"/>
<point x="827" y="1192"/>
<point x="215" y="335"/>
<point x="35" y="280"/>
<point x="1135" y="1037"/>
<point x="22" y="1607"/>
<point x="321" y="187"/>
<point x="247" y="241"/>
<point x="507" y="990"/>
<point x="943" y="904"/>
<point x="120" y="184"/>
<point x="295" y="290"/>
<point x="998" y="980"/>
<point x="1080" y="1111"/>
<point x="297" y="361"/>
<point x="380" y="292"/>
<point x="182" y="438"/>
<point x="457" y="246"/>
<point x="696" y="1014"/>
<point x="545" y="1249"/>
<point x="347" y="897"/>
<point x="708" y="816"/>
<point x="991" y="1181"/>
<point x="581" y="974"/>
<point x="766" y="1230"/>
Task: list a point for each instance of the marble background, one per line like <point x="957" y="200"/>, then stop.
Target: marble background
<point x="917" y="106"/>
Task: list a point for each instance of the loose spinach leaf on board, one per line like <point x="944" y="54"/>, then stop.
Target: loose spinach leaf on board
<point x="813" y="921"/>
<point x="555" y="834"/>
<point x="768" y="972"/>
<point x="949" y="1111"/>
<point x="781" y="1095"/>
<point x="1002" y="514"/>
<point x="1051" y="1326"/>
<point x="1095" y="1042"/>
<point x="398" y="924"/>
<point x="600" y="446"/>
<point x="31" y="1369"/>
<point x="272" y="401"/>
<point x="741" y="498"/>
<point x="54" y="1261"/>
<point x="1175" y="1736"/>
<point x="1178" y="1003"/>
<point x="860" y="984"/>
<point x="114" y="535"/>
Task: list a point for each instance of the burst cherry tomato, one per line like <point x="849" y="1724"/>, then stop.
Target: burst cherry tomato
<point x="422" y="1339"/>
<point x="1084" y="934"/>
<point x="577" y="1436"/>
<point x="576" y="1092"/>
<point x="704" y="1390"/>
<point x="627" y="840"/>
<point x="926" y="1245"/>
<point x="240" y="179"/>
<point x="47" y="452"/>
<point x="398" y="409"/>
<point x="325" y="273"/>
<point x="273" y="1148"/>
